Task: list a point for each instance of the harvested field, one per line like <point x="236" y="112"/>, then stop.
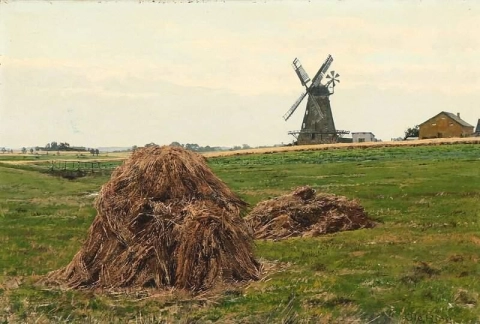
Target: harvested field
<point x="426" y="199"/>
<point x="307" y="214"/>
<point x="364" y="145"/>
<point x="163" y="220"/>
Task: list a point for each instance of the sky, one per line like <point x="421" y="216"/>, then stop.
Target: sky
<point x="123" y="73"/>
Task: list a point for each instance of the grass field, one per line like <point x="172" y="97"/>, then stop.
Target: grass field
<point x="420" y="264"/>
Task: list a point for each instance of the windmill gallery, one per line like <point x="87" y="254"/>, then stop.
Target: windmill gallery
<point x="318" y="125"/>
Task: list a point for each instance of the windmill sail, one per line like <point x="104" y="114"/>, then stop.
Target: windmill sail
<point x="321" y="72"/>
<point x="294" y="106"/>
<point x="301" y="73"/>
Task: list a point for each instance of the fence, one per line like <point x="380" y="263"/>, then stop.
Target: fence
<point x="84" y="167"/>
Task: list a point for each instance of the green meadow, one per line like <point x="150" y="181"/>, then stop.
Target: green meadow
<point x="420" y="264"/>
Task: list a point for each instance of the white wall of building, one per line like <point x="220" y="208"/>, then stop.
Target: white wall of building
<point x="359" y="137"/>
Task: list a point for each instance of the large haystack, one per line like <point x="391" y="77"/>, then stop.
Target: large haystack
<point x="164" y="220"/>
<point x="305" y="213"/>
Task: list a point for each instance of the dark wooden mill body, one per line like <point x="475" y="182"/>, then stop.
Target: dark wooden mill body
<point x="317" y="128"/>
<point x="318" y="125"/>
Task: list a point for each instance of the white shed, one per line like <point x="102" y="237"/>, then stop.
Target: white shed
<point x="359" y="137"/>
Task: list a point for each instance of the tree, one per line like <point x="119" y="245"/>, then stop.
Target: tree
<point x="31" y="150"/>
<point x="176" y="144"/>
<point x="3" y="150"/>
<point x="37" y="148"/>
<point x="96" y="152"/>
<point x="245" y="146"/>
<point x="134" y="148"/>
<point x="63" y="146"/>
<point x="47" y="147"/>
<point x="92" y="151"/>
<point x="192" y="147"/>
<point x="412" y="132"/>
<point x="24" y="150"/>
<point x="54" y="146"/>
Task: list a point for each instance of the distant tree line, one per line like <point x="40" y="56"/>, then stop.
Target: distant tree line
<point x="6" y="150"/>
<point x="62" y="146"/>
<point x="197" y="148"/>
<point x="54" y="146"/>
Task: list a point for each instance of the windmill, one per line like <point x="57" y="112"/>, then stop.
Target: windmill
<point x="318" y="125"/>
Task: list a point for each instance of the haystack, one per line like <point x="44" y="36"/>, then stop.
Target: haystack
<point x="306" y="213"/>
<point x="163" y="220"/>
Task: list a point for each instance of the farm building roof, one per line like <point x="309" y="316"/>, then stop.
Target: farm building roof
<point x="452" y="116"/>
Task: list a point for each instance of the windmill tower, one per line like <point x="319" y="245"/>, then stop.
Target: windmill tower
<point x="318" y="125"/>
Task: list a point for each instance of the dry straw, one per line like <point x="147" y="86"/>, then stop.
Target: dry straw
<point x="305" y="213"/>
<point x="164" y="220"/>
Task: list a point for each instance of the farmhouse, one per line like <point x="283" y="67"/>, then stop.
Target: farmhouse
<point x="445" y="124"/>
<point x="359" y="137"/>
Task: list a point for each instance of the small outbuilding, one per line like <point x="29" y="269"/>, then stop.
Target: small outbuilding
<point x="444" y="125"/>
<point x="360" y="137"/>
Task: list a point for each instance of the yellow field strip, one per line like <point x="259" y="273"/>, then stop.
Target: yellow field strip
<point x="436" y="141"/>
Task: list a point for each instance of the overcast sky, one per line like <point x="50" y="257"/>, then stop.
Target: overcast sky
<point x="219" y="73"/>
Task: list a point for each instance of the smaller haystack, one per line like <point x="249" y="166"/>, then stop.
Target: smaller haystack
<point x="305" y="213"/>
<point x="164" y="220"/>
